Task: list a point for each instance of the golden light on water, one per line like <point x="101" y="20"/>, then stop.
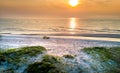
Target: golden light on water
<point x="73" y="3"/>
<point x="72" y="23"/>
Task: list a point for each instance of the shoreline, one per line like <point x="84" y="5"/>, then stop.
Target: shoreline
<point x="68" y="34"/>
<point x="96" y="37"/>
<point x="63" y="45"/>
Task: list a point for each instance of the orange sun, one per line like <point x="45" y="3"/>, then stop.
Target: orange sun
<point x="73" y="3"/>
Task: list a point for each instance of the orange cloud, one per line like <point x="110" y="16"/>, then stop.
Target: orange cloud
<point x="59" y="7"/>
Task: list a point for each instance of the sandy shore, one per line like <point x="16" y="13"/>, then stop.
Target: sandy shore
<point x="55" y="45"/>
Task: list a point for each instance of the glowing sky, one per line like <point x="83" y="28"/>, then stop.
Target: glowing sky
<point x="59" y="7"/>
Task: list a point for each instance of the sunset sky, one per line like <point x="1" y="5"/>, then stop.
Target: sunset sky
<point x="59" y="7"/>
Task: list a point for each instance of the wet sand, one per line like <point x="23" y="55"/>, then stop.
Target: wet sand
<point x="55" y="45"/>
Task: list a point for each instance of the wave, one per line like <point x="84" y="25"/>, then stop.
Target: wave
<point x="68" y="34"/>
<point x="94" y="37"/>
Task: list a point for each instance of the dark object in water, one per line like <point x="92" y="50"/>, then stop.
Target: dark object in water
<point x="45" y="37"/>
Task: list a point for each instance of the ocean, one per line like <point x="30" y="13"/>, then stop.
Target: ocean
<point x="59" y="26"/>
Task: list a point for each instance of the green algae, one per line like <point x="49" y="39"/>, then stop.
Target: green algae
<point x="100" y="53"/>
<point x="115" y="51"/>
<point x="24" y="51"/>
<point x="108" y="57"/>
<point x="69" y="56"/>
<point x="49" y="64"/>
<point x="51" y="59"/>
<point x="40" y="67"/>
<point x="14" y="56"/>
<point x="104" y="53"/>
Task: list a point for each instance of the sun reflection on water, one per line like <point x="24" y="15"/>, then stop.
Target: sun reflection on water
<point x="72" y="23"/>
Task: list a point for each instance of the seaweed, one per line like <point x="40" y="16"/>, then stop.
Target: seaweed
<point x="100" y="53"/>
<point x="108" y="56"/>
<point x="69" y="56"/>
<point x="14" y="56"/>
<point x="49" y="64"/>
<point x="115" y="51"/>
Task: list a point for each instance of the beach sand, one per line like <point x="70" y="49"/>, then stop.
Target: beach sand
<point x="56" y="45"/>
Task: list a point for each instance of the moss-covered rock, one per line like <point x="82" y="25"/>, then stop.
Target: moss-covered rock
<point x="51" y="59"/>
<point x="40" y="67"/>
<point x="15" y="57"/>
<point x="30" y="51"/>
<point x="69" y="56"/>
<point x="115" y="51"/>
<point x="16" y="54"/>
<point x="104" y="53"/>
<point x="99" y="52"/>
<point x="109" y="58"/>
<point x="49" y="64"/>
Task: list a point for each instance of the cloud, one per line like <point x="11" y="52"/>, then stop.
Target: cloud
<point x="58" y="7"/>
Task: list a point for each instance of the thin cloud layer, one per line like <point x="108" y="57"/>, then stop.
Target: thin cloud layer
<point x="59" y="7"/>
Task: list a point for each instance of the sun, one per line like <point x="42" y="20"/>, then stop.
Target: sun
<point x="73" y="3"/>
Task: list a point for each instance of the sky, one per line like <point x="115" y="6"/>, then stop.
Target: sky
<point x="59" y="8"/>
